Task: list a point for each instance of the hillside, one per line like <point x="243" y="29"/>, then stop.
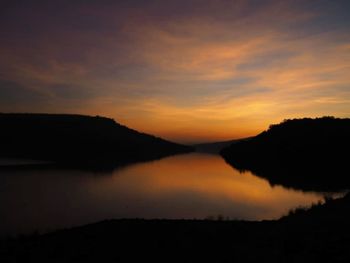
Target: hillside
<point x="215" y="147"/>
<point x="78" y="140"/>
<point x="301" y="153"/>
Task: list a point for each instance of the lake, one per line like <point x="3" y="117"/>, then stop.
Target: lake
<point x="180" y="187"/>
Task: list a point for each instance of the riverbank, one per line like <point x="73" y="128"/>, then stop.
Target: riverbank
<point x="305" y="154"/>
<point x="320" y="234"/>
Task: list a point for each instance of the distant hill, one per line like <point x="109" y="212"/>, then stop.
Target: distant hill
<point x="215" y="147"/>
<point x="310" y="154"/>
<point x="78" y="140"/>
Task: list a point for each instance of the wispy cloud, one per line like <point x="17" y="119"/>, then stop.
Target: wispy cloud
<point x="189" y="71"/>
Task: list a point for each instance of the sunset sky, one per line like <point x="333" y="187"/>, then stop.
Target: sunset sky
<point x="188" y="71"/>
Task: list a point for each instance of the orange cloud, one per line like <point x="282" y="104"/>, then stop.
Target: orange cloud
<point x="223" y="70"/>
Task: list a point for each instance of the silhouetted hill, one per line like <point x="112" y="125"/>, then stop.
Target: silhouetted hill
<point x="78" y="140"/>
<point x="215" y="147"/>
<point x="321" y="234"/>
<point x="300" y="153"/>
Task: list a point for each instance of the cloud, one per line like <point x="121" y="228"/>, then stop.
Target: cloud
<point x="194" y="70"/>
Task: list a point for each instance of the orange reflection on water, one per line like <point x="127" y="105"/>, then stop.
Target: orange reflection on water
<point x="198" y="186"/>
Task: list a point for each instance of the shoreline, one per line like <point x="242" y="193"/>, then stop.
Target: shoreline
<point x="319" y="233"/>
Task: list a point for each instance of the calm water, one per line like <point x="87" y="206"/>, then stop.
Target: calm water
<point x="184" y="186"/>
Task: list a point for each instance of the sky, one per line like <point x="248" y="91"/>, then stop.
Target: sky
<point x="188" y="71"/>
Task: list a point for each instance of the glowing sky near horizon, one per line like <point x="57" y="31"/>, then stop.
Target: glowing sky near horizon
<point x="188" y="71"/>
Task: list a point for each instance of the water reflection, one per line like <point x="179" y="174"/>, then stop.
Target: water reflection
<point x="184" y="186"/>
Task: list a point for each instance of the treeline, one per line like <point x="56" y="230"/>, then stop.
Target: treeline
<point x="302" y="153"/>
<point x="78" y="139"/>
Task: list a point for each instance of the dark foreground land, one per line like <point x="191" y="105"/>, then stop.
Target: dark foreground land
<point x="78" y="140"/>
<point x="321" y="234"/>
<point x="305" y="154"/>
